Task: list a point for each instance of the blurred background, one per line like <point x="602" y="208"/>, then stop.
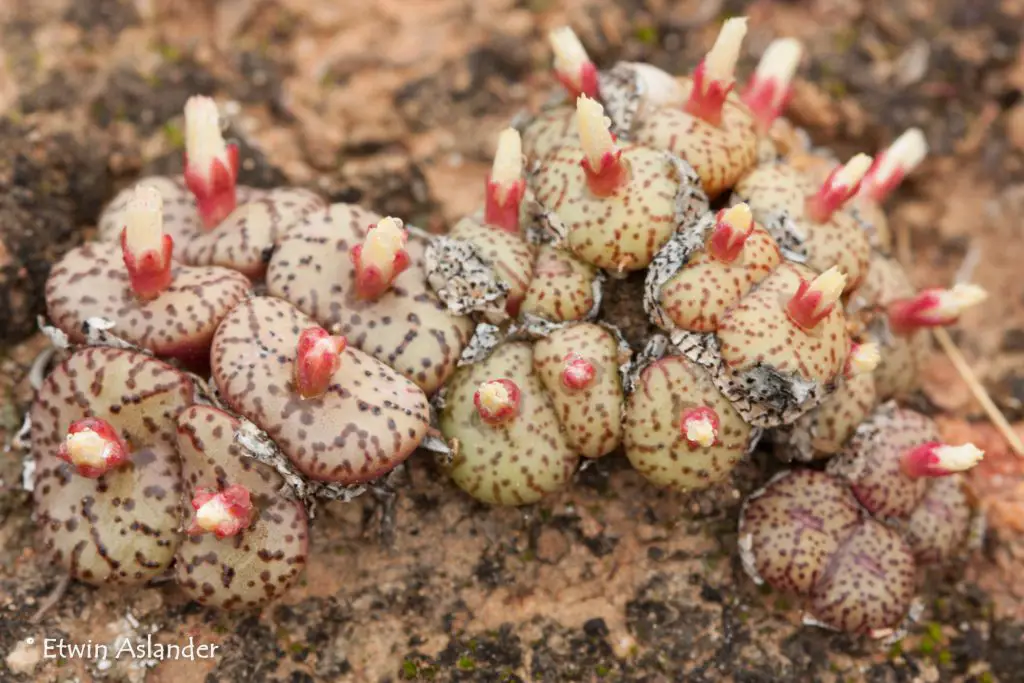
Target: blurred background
<point x="396" y="104"/>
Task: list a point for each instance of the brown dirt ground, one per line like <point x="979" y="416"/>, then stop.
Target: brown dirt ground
<point x="395" y="104"/>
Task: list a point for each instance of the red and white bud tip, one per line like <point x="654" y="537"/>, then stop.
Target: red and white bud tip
<point x="506" y="184"/>
<point x="497" y="401"/>
<point x="734" y="225"/>
<point x="317" y="358"/>
<point x="573" y="67"/>
<point x="93" y="447"/>
<point x="577" y="372"/>
<point x="814" y="300"/>
<point x="380" y="258"/>
<point x="837" y="189"/>
<point x="602" y="161"/>
<point x="211" y="165"/>
<point x="222" y="513"/>
<point x="894" y="164"/>
<point x="938" y="460"/>
<point x="699" y="426"/>
<point x="144" y="246"/>
<point x="714" y="77"/>
<point x="863" y="359"/>
<point x="933" y="308"/>
<point x="771" y="86"/>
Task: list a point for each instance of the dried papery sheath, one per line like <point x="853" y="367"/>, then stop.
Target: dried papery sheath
<point x="463" y="280"/>
<point x="631" y="89"/>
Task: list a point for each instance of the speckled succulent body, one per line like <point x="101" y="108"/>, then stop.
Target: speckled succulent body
<point x="805" y="534"/>
<point x="871" y="461"/>
<point x="622" y="231"/>
<point x="508" y="254"/>
<point x="772" y="368"/>
<point x="902" y="354"/>
<point x="823" y="431"/>
<point x="91" y="281"/>
<point x="406" y="327"/>
<point x="369" y="420"/>
<point x="245" y="240"/>
<point x="181" y="218"/>
<point x="517" y="462"/>
<point x="123" y="527"/>
<point x="656" y="445"/>
<point x="263" y="561"/>
<point x="590" y="415"/>
<point x="562" y="287"/>
<point x="690" y="289"/>
<point x="777" y="195"/>
<point x="720" y="154"/>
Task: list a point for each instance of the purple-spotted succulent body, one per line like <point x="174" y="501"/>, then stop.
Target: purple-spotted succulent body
<point x="804" y="533"/>
<point x="891" y="460"/>
<point x="266" y="552"/>
<point x="121" y="527"/>
<point x="102" y="280"/>
<point x="714" y="131"/>
<point x="368" y="421"/>
<point x="404" y="325"/>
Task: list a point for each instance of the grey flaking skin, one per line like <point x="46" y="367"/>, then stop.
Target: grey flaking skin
<point x="258" y="564"/>
<point x="406" y="327"/>
<point x="121" y="528"/>
<point x="370" y="420"/>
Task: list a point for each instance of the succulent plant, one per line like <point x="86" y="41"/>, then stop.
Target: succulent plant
<point x="822" y="432"/>
<point x="938" y="528"/>
<point x="107" y="487"/>
<point x="362" y="276"/>
<point x="247" y="542"/>
<point x="779" y="351"/>
<point x="613" y="206"/>
<point x="898" y="316"/>
<point x="680" y="431"/>
<point x="807" y="219"/>
<point x="892" y="457"/>
<point x="714" y="131"/>
<point x="367" y="420"/>
<point x="705" y="270"/>
<point x="152" y="301"/>
<point x="804" y="533"/>
<point x="523" y="415"/>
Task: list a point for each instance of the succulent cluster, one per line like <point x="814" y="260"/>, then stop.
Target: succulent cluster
<point x="337" y="340"/>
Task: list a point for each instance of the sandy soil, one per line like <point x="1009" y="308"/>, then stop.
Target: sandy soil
<point x="396" y="105"/>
